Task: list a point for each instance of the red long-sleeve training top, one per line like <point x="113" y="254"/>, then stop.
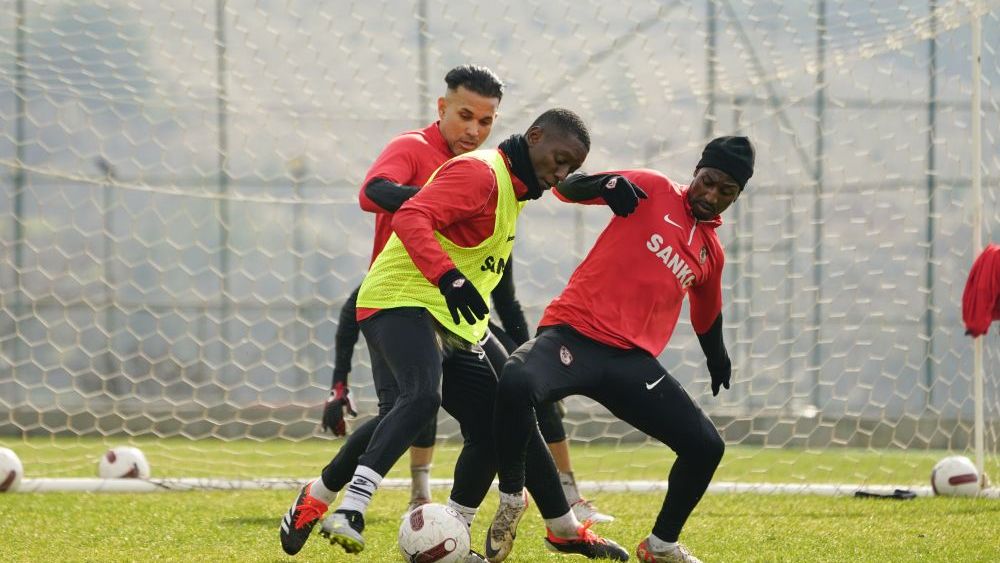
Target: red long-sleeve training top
<point x="629" y="289"/>
<point x="408" y="160"/>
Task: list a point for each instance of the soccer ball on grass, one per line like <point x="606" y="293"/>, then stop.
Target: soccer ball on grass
<point x="434" y="532"/>
<point x="11" y="471"/>
<point x="955" y="476"/>
<point x="123" y="462"/>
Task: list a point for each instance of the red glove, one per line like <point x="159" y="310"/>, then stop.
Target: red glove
<point x="340" y="400"/>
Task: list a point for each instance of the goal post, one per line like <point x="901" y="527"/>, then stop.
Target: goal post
<point x="179" y="223"/>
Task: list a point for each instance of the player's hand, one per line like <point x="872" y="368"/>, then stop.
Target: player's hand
<point x="462" y="297"/>
<point x="721" y="375"/>
<point x="340" y="400"/>
<point x="621" y="195"/>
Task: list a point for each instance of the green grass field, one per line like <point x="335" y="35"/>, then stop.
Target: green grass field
<point x="242" y="526"/>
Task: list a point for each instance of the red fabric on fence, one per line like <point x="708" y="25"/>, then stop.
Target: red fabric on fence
<point x="981" y="299"/>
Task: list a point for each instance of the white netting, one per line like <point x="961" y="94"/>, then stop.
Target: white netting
<point x="179" y="224"/>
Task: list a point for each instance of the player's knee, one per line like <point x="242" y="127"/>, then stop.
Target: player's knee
<point x="549" y="423"/>
<point x="515" y="384"/>
<point x="713" y="447"/>
<point x="424" y="405"/>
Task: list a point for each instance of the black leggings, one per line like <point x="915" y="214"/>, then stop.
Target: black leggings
<point x="633" y="386"/>
<point x="416" y="371"/>
<point x="549" y="420"/>
<point x="348" y="332"/>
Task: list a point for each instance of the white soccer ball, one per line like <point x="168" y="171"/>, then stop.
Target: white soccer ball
<point x="11" y="471"/>
<point x="123" y="462"/>
<point x="955" y="476"/>
<point x="434" y="532"/>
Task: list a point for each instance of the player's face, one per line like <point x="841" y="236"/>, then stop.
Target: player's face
<point x="711" y="192"/>
<point x="554" y="154"/>
<point x="466" y="119"/>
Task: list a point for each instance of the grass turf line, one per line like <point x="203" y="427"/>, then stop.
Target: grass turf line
<point x="243" y="526"/>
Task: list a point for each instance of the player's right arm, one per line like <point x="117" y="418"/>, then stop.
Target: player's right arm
<point x="461" y="191"/>
<point x="611" y="188"/>
<point x="388" y="183"/>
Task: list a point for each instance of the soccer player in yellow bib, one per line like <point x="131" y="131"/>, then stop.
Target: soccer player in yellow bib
<point x="423" y="311"/>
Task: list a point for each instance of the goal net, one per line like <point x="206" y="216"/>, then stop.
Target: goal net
<point x="179" y="224"/>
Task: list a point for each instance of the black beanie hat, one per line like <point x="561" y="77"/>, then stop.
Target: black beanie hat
<point x="732" y="155"/>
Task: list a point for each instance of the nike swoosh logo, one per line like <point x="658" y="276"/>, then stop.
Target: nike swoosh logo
<point x="491" y="552"/>
<point x="667" y="219"/>
<point x="649" y="386"/>
<point x="510" y="238"/>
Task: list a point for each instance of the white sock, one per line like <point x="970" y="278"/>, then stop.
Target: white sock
<point x="420" y="481"/>
<point x="319" y="490"/>
<point x="568" y="482"/>
<point x="565" y="526"/>
<point x="469" y="514"/>
<point x="360" y="490"/>
<point x="659" y="545"/>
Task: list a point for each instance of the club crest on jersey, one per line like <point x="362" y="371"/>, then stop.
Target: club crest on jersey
<point x="565" y="356"/>
<point x="703" y="255"/>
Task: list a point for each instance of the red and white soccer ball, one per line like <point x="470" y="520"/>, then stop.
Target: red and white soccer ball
<point x="955" y="476"/>
<point x="123" y="462"/>
<point x="11" y="471"/>
<point x="434" y="533"/>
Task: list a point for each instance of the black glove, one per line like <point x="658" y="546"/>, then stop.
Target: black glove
<point x="333" y="411"/>
<point x="722" y="373"/>
<point x="462" y="297"/>
<point x="621" y="195"/>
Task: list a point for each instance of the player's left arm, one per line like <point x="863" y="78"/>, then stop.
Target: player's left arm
<point x="706" y="318"/>
<point x="610" y="188"/>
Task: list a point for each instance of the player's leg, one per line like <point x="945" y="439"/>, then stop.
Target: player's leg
<point x="421" y="459"/>
<point x="405" y="340"/>
<point x="642" y="393"/>
<point x="468" y="390"/>
<point x="539" y="468"/>
<point x="551" y="425"/>
<point x="315" y="497"/>
<point x="539" y="372"/>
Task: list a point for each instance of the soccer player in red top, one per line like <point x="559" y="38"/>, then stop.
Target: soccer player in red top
<point x="466" y="115"/>
<point x="422" y="317"/>
<point x="600" y="338"/>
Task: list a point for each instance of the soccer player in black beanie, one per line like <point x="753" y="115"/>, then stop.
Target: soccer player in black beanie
<point x="600" y="338"/>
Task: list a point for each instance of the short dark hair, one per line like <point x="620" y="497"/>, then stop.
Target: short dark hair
<point x="567" y="121"/>
<point x="478" y="79"/>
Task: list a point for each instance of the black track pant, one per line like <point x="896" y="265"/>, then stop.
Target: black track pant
<point x="347" y="336"/>
<point x="633" y="386"/>
<point x="415" y="372"/>
<point x="549" y="419"/>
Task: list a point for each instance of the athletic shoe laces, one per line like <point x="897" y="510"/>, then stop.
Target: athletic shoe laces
<point x="584" y="534"/>
<point x="310" y="510"/>
<point x="588" y="535"/>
